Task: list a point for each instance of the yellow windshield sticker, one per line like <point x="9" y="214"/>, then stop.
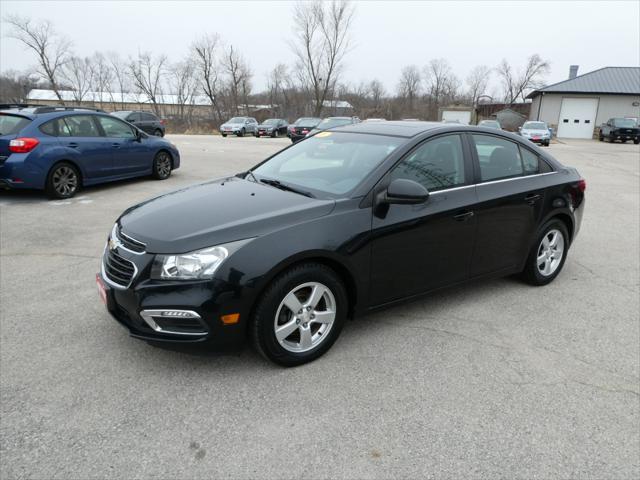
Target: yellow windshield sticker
<point x="323" y="134"/>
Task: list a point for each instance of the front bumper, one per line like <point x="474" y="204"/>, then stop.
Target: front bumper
<point x="622" y="135"/>
<point x="172" y="311"/>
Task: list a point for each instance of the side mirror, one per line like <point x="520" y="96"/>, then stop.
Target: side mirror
<point x="405" y="192"/>
<point x="519" y="128"/>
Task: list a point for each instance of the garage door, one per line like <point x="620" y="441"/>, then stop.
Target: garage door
<point x="577" y="117"/>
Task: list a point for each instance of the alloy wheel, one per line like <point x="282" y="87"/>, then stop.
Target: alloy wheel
<point x="65" y="181"/>
<point x="305" y="317"/>
<point x="550" y="252"/>
<point x="163" y="165"/>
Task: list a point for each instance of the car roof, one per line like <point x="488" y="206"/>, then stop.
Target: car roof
<point x="33" y="112"/>
<point x="398" y="128"/>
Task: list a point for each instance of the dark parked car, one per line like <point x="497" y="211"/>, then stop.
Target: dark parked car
<point x="622" y="129"/>
<point x="302" y="127"/>
<point x="345" y="222"/>
<point x="272" y="127"/>
<point x="332" y="122"/>
<point x="239" y="126"/>
<point x="145" y="121"/>
<point x="60" y="149"/>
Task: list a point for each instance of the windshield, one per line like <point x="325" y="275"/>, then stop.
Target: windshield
<point x="11" y="124"/>
<point x="270" y="121"/>
<point x="624" y="122"/>
<point x="121" y="114"/>
<point x="534" y="126"/>
<point x="307" y="122"/>
<point x="330" y="163"/>
<point x="237" y="120"/>
<point x="333" y="122"/>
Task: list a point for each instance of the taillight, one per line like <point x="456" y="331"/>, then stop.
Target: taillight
<point x="23" y="144"/>
<point x="163" y="122"/>
<point x="582" y="185"/>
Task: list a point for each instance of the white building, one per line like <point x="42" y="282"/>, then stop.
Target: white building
<point x="577" y="106"/>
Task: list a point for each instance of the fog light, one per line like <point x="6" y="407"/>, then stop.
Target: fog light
<point x="230" y="319"/>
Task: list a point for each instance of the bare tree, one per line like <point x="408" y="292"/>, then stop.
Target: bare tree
<point x="15" y="86"/>
<point x="147" y="74"/>
<point x="78" y="74"/>
<point x="238" y="78"/>
<point x="376" y="88"/>
<point x="184" y="85"/>
<point x="409" y="87"/>
<point x="51" y="49"/>
<point x="205" y="54"/>
<point x="517" y="85"/>
<point x="477" y="82"/>
<point x="441" y="85"/>
<point x="102" y="77"/>
<point x="122" y="78"/>
<point x="321" y="42"/>
<point x="276" y="84"/>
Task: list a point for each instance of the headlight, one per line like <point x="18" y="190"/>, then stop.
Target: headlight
<point x="198" y="265"/>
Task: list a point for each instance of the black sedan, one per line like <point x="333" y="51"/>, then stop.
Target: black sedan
<point x="301" y="127"/>
<point x="272" y="127"/>
<point x="335" y="226"/>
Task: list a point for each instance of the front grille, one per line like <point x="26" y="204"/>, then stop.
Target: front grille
<point x="117" y="269"/>
<point x="130" y="243"/>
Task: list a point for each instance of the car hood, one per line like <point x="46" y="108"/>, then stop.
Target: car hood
<point x="217" y="212"/>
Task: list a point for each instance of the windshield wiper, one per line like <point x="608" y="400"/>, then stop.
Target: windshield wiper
<point x="284" y="186"/>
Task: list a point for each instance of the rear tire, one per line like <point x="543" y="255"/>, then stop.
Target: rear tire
<point x="162" y="166"/>
<point x="307" y="305"/>
<point x="636" y="141"/>
<point x="63" y="181"/>
<point x="600" y="137"/>
<point x="548" y="254"/>
<point x="611" y="139"/>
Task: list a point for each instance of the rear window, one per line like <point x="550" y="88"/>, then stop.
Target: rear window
<point x="12" y="124"/>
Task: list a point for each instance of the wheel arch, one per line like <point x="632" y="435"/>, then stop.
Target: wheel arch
<point x="72" y="162"/>
<point x="163" y="149"/>
<point x="343" y="272"/>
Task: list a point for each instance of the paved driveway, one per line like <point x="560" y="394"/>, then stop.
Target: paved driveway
<point x="496" y="379"/>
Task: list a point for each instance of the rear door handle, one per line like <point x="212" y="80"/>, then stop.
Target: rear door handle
<point x="460" y="217"/>
<point x="531" y="199"/>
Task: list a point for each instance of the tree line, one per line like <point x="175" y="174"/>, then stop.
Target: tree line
<point x="217" y="71"/>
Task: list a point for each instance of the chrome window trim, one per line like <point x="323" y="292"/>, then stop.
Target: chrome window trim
<point x="147" y="316"/>
<point x="491" y="182"/>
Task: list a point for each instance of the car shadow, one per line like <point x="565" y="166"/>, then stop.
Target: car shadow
<point x="427" y="309"/>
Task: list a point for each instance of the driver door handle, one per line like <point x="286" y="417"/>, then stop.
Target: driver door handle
<point x="460" y="217"/>
<point x="72" y="144"/>
<point x="531" y="199"/>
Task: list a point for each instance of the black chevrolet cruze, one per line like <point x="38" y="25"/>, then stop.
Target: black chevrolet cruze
<point x="344" y="222"/>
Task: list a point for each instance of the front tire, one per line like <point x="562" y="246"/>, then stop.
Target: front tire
<point x="224" y="135"/>
<point x="636" y="141"/>
<point x="63" y="181"/>
<point x="241" y="133"/>
<point x="300" y="315"/>
<point x="158" y="133"/>
<point x="548" y="254"/>
<point x="162" y="166"/>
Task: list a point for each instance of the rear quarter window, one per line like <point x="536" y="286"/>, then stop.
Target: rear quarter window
<point x="12" y="124"/>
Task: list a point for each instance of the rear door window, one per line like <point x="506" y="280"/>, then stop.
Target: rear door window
<point x="12" y="124"/>
<point x="498" y="158"/>
<point x="147" y="117"/>
<point x="114" y="128"/>
<point x="81" y="126"/>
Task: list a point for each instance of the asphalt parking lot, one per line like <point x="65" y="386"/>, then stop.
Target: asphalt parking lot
<point x="496" y="379"/>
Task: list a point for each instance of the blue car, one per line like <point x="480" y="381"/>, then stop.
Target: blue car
<point x="61" y="149"/>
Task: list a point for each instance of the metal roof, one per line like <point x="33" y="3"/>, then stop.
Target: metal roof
<point x="613" y="80"/>
<point x="112" y="97"/>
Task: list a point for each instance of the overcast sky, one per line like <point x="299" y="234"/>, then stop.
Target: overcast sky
<point x="386" y="35"/>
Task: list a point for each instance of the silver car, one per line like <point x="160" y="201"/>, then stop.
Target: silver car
<point x="536" y="132"/>
<point x="239" y="126"/>
<point x="490" y="124"/>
